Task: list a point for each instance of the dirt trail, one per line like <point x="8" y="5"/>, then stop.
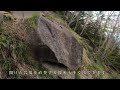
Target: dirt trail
<point x="21" y="14"/>
<point x="25" y="14"/>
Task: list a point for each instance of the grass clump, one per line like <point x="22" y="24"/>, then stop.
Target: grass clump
<point x="8" y="65"/>
<point x="77" y="75"/>
<point x="55" y="17"/>
<point x="44" y="73"/>
<point x="33" y="21"/>
<point x="7" y="18"/>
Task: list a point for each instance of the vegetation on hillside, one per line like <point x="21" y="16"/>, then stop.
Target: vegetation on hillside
<point x="100" y="32"/>
<point x="97" y="31"/>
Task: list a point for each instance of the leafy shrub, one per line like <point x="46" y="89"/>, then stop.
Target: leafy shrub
<point x="7" y="18"/>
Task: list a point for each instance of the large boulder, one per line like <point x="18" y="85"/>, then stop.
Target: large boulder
<point x="55" y="43"/>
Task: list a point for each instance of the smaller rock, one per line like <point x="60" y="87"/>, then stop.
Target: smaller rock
<point x="59" y="70"/>
<point x="1" y="18"/>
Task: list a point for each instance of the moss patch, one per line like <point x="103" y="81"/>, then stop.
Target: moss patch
<point x="33" y="21"/>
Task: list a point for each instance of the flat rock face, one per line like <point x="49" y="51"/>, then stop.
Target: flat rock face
<point x="63" y="46"/>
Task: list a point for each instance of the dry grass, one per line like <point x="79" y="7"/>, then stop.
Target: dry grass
<point x="55" y="18"/>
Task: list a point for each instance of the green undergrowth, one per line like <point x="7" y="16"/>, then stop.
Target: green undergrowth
<point x="14" y="51"/>
<point x="7" y="18"/>
<point x="33" y="21"/>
